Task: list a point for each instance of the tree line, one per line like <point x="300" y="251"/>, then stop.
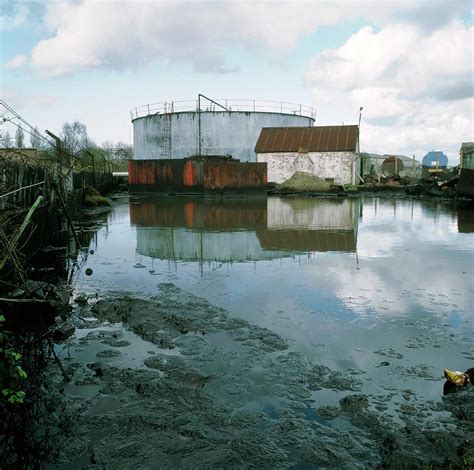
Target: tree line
<point x="74" y="141"/>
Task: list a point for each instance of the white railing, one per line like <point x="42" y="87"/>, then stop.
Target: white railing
<point x="281" y="107"/>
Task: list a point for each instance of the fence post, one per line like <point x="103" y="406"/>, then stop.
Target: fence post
<point x="94" y="181"/>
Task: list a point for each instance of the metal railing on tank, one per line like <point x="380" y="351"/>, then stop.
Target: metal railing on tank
<point x="231" y="105"/>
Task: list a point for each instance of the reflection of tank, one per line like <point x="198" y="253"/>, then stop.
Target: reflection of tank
<point x="240" y="230"/>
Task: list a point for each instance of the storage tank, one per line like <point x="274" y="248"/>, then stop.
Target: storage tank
<point x="181" y="129"/>
<point x="434" y="164"/>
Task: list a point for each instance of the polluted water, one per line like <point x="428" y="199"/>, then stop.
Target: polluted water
<point x="279" y="332"/>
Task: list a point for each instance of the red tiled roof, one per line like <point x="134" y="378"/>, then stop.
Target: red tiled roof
<point x="307" y="139"/>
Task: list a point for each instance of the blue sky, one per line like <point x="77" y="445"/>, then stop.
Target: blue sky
<point x="408" y="63"/>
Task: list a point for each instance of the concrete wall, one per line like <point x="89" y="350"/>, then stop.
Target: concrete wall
<point x="222" y="132"/>
<point x="282" y="166"/>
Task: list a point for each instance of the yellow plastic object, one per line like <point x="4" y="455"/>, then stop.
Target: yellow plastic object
<point x="456" y="377"/>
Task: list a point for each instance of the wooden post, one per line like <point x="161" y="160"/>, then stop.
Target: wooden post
<point x="93" y="169"/>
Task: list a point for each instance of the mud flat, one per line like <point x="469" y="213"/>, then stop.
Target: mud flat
<point x="175" y="382"/>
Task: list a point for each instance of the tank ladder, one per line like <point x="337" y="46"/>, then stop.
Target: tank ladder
<point x="166" y="143"/>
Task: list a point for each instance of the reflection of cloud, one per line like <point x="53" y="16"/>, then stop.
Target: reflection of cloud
<point x="418" y="264"/>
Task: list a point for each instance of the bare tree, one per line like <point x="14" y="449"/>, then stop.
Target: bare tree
<point x="74" y="137"/>
<point x="19" y="138"/>
<point x="109" y="148"/>
<point x="123" y="151"/>
<point x="35" y="139"/>
<point x="6" y="139"/>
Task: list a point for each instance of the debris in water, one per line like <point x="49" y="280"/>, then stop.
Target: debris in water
<point x="456" y="380"/>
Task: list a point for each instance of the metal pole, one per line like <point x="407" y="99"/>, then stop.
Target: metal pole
<point x="57" y="173"/>
<point x="199" y="124"/>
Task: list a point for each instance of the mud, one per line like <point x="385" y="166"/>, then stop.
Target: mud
<point x="173" y="381"/>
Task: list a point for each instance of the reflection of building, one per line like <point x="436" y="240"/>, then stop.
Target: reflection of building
<point x="302" y="224"/>
<point x="466" y="175"/>
<point x="242" y="229"/>
<point x="328" y="152"/>
<point x="465" y="219"/>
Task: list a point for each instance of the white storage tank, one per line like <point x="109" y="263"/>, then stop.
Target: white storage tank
<point x="180" y="129"/>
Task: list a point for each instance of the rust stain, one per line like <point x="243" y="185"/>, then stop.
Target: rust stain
<point x="189" y="175"/>
<point x="186" y="175"/>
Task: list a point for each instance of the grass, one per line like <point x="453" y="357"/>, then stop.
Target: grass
<point x="94" y="199"/>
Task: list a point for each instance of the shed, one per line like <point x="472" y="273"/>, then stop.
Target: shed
<point x="466" y="175"/>
<point x="467" y="155"/>
<point x="328" y="152"/>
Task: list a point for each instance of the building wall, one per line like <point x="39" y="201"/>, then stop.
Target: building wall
<point x="222" y="132"/>
<point x="282" y="166"/>
<point x="467" y="160"/>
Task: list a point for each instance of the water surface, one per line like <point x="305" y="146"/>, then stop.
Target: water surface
<point x="378" y="285"/>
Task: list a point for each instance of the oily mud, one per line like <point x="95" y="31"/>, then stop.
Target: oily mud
<point x="172" y="381"/>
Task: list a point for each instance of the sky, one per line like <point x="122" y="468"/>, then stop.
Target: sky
<point x="408" y="63"/>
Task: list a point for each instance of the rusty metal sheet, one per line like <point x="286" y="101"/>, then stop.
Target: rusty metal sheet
<point x="195" y="176"/>
<point x="234" y="175"/>
<point x="311" y="139"/>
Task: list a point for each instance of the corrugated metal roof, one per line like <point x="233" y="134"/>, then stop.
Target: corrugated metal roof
<point x="307" y="139"/>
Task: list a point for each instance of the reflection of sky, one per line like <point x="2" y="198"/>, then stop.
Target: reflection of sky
<point x="412" y="268"/>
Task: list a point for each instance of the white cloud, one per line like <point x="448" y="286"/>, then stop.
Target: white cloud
<point x="15" y="19"/>
<point x="17" y="62"/>
<point x="419" y="82"/>
<point x="92" y="33"/>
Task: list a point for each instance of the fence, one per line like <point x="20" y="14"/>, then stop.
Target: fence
<point x="103" y="182"/>
<point x="231" y="105"/>
<point x="20" y="185"/>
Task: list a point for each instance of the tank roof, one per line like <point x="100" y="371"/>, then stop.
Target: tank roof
<point x="224" y="105"/>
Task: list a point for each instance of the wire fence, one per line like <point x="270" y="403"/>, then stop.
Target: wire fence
<point x="230" y="105"/>
<point x="28" y="172"/>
